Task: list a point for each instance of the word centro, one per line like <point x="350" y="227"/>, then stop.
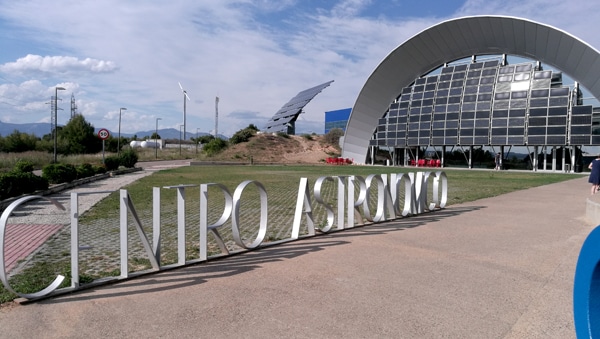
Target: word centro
<point x="353" y="192"/>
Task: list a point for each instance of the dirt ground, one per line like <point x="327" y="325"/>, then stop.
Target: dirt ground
<point x="267" y="148"/>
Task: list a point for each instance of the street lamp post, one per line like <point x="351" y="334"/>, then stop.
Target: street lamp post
<point x="56" y="89"/>
<point x="119" y="140"/>
<point x="156" y="139"/>
<point x="197" y="140"/>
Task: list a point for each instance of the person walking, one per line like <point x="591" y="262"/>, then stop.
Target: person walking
<point x="497" y="161"/>
<point x="595" y="174"/>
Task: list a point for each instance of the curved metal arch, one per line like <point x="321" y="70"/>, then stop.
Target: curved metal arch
<point x="456" y="39"/>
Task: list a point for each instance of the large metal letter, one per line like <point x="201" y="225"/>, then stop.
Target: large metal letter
<point x="205" y="227"/>
<point x="180" y="222"/>
<point x="303" y="205"/>
<point x="127" y="205"/>
<point x="3" y="220"/>
<point x="354" y="205"/>
<point x="440" y="179"/>
<point x="341" y="203"/>
<point x="235" y="220"/>
<point x="395" y="183"/>
<point x="383" y="199"/>
<point x="319" y="200"/>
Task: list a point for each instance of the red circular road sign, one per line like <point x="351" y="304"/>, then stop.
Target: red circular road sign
<point x="103" y="134"/>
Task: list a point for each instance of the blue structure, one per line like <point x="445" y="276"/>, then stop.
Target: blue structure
<point x="337" y="119"/>
<point x="586" y="289"/>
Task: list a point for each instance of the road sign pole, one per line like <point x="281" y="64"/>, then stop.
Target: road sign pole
<point x="103" y="134"/>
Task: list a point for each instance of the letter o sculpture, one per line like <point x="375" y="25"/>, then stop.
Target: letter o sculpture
<point x="586" y="289"/>
<point x="235" y="218"/>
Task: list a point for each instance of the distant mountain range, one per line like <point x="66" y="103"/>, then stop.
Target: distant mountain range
<point x="41" y="129"/>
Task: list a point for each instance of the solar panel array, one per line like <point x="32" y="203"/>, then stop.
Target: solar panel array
<point x="289" y="113"/>
<point x="486" y="103"/>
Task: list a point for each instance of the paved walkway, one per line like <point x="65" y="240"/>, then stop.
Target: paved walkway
<point x="500" y="267"/>
<point x="30" y="230"/>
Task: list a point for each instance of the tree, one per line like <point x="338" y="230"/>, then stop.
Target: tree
<point x="204" y="139"/>
<point x="155" y="136"/>
<point x="18" y="142"/>
<point x="78" y="137"/>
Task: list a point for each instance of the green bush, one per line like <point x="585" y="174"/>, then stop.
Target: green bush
<point x="112" y="163"/>
<point x="15" y="183"/>
<point x="307" y="136"/>
<point x="99" y="169"/>
<point x="242" y="136"/>
<point x="59" y="173"/>
<point x="85" y="170"/>
<point x="214" y="146"/>
<point x="23" y="166"/>
<point x="283" y="135"/>
<point x="128" y="158"/>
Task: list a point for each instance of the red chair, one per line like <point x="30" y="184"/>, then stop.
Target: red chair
<point x="438" y="163"/>
<point x="412" y="162"/>
<point x="421" y="163"/>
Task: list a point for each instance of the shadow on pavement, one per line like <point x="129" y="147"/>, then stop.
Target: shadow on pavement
<point x="180" y="277"/>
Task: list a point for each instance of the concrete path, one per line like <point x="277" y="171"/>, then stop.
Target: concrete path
<point x="500" y="267"/>
<point x="28" y="231"/>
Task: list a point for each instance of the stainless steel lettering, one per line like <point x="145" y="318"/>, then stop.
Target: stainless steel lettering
<point x="355" y="196"/>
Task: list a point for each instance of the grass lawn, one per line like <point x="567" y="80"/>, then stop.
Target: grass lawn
<point x="281" y="183"/>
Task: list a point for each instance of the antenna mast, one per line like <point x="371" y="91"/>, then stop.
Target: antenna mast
<point x="216" y="116"/>
<point x="73" y="106"/>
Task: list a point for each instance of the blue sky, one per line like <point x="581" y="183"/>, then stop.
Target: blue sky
<point x="254" y="54"/>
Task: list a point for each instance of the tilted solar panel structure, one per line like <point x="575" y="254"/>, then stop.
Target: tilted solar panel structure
<point x="285" y="119"/>
<point x="487" y="103"/>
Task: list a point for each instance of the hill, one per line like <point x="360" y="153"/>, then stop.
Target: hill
<point x="268" y="148"/>
<point x="43" y="128"/>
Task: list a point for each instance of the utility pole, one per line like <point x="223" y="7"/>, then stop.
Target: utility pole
<point x="216" y="116"/>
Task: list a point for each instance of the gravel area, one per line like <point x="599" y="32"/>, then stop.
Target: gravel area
<point x="43" y="212"/>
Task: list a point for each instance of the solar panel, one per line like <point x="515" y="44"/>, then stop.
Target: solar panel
<point x="288" y="114"/>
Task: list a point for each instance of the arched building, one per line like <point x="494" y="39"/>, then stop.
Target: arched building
<point x="482" y="101"/>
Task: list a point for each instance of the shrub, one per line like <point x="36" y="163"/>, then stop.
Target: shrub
<point x="23" y="166"/>
<point x="214" y="146"/>
<point x="99" y="169"/>
<point x="307" y="136"/>
<point x="242" y="136"/>
<point x="283" y="135"/>
<point x="333" y="136"/>
<point x="59" y="173"/>
<point x="128" y="158"/>
<point x="15" y="183"/>
<point x="85" y="170"/>
<point x="111" y="163"/>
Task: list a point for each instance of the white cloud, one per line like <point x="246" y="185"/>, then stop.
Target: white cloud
<point x="57" y="64"/>
<point x="349" y="8"/>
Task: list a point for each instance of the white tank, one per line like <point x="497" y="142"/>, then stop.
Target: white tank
<point x="135" y="144"/>
<point x="149" y="144"/>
